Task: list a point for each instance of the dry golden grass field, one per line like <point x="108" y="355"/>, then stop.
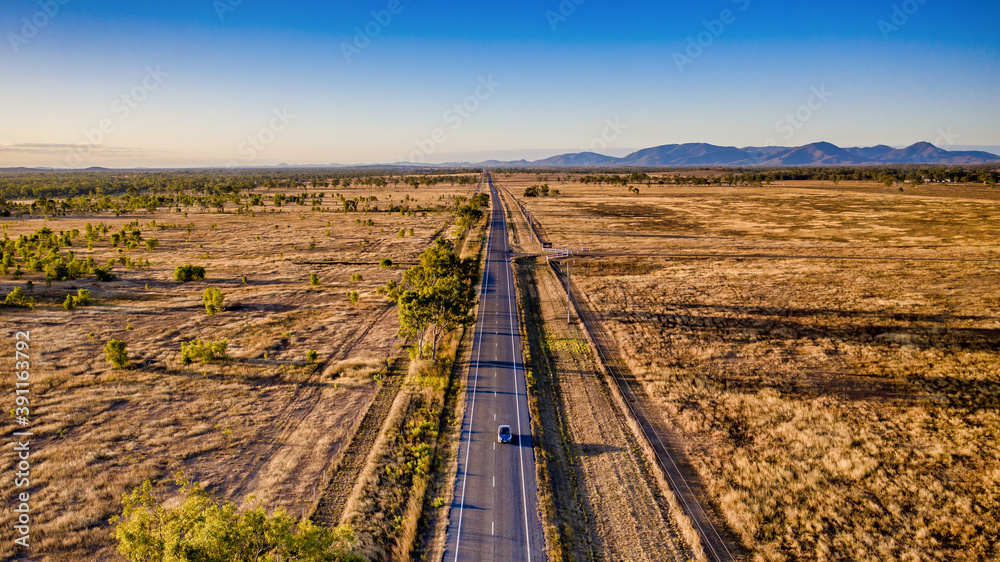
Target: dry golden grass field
<point x="265" y="423"/>
<point x="833" y="408"/>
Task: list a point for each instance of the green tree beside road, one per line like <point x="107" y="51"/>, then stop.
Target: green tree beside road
<point x="436" y="296"/>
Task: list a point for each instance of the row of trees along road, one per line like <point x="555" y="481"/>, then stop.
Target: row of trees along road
<point x="435" y="296"/>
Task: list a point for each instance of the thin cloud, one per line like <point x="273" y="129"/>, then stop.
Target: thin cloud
<point x="56" y="148"/>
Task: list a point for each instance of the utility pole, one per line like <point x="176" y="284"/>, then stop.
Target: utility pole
<point x="567" y="293"/>
<point x="568" y="302"/>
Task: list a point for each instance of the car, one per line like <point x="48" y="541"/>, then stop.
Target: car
<point x="504" y="435"/>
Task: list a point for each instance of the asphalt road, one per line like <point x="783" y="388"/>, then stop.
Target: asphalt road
<point x="495" y="514"/>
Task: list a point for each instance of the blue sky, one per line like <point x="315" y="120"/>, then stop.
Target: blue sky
<point x="255" y="83"/>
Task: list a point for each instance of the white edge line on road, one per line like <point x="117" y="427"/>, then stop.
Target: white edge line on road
<point x="517" y="401"/>
<point x="472" y="410"/>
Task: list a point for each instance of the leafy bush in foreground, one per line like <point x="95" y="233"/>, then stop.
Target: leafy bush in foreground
<point x="202" y="529"/>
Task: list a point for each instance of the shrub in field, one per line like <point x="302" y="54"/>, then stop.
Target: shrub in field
<point x="357" y="277"/>
<point x="313" y="279"/>
<point x="16" y="298"/>
<point x="58" y="269"/>
<point x="353" y="296"/>
<point x="152" y="243"/>
<point x="103" y="274"/>
<point x="213" y="299"/>
<point x="116" y="353"/>
<point x="202" y="529"/>
<point x="311" y="355"/>
<point x="385" y="263"/>
<point x="185" y="273"/>
<point x="203" y="351"/>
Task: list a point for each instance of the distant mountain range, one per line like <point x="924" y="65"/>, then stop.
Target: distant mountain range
<point x="815" y="154"/>
<point x="693" y="155"/>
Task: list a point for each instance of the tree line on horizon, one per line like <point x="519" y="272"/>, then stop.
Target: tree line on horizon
<point x="60" y="193"/>
<point x="96" y="184"/>
<point x="740" y="177"/>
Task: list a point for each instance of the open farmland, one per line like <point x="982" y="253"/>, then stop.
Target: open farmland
<point x="263" y="426"/>
<point x="832" y="408"/>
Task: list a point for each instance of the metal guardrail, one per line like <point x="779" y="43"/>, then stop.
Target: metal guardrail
<point x="557" y="253"/>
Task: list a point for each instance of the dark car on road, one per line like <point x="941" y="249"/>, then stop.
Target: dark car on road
<point x="504" y="435"/>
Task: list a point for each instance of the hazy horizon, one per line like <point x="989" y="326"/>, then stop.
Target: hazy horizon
<point x="197" y="84"/>
<point x="442" y="159"/>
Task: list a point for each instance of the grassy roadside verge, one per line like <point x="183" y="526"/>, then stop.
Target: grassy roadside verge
<point x="585" y="511"/>
<point x="344" y="473"/>
<point x="429" y="543"/>
<point x="432" y="529"/>
<point x="385" y="504"/>
<point x="564" y="513"/>
<point x="396" y="506"/>
<point x="599" y="494"/>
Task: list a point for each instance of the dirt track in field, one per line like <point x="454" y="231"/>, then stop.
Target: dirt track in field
<point x="333" y="498"/>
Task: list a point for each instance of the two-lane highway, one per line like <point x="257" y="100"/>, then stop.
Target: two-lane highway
<point x="495" y="514"/>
